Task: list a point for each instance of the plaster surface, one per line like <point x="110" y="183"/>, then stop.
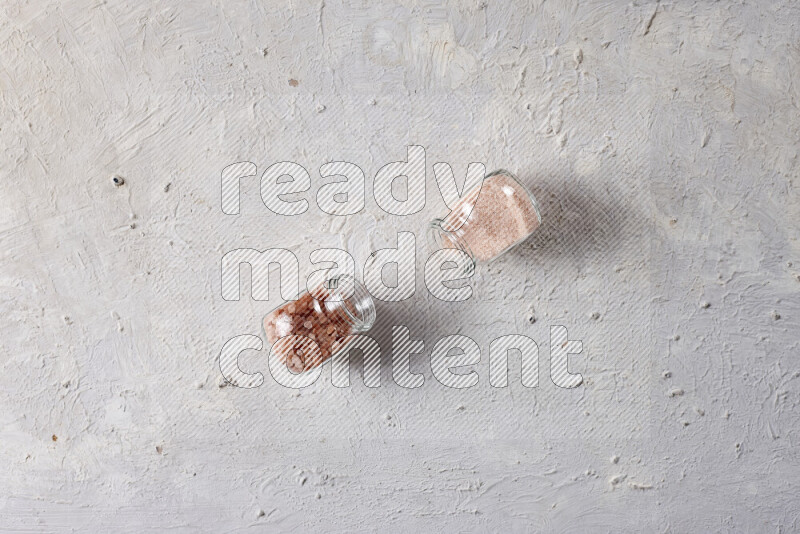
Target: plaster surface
<point x="660" y="138"/>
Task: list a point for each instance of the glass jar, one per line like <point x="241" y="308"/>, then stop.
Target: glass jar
<point x="489" y="220"/>
<point x="306" y="332"/>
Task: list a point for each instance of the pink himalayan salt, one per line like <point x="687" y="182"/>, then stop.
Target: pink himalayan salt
<point x="503" y="216"/>
<point x="306" y="318"/>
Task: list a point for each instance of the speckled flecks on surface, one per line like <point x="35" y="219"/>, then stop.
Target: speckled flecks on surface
<point x="660" y="139"/>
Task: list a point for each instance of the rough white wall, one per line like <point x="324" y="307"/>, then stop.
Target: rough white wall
<point x="660" y="138"/>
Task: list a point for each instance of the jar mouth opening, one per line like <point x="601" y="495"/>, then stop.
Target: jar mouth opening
<point x="439" y="238"/>
<point x="349" y="295"/>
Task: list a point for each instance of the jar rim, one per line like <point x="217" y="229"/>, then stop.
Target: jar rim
<point x="358" y="307"/>
<point x="436" y="233"/>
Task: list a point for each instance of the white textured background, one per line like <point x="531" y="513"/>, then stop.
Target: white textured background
<point x="660" y="138"/>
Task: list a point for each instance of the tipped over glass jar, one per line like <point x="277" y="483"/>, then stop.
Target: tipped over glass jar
<point x="306" y="332"/>
<point x="489" y="220"/>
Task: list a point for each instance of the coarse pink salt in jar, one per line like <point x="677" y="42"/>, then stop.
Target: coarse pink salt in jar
<point x="489" y="220"/>
<point x="306" y="332"/>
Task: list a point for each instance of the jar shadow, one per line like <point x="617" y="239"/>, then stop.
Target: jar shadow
<point x="581" y="225"/>
<point x="428" y="326"/>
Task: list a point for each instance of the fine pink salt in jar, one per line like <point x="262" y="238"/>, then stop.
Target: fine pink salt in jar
<point x="489" y="220"/>
<point x="305" y="332"/>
